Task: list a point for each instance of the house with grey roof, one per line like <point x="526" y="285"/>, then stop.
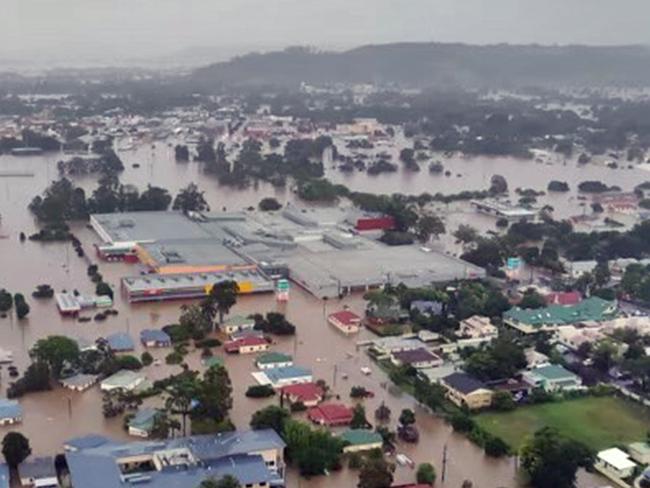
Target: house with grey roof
<point x="155" y="338"/>
<point x="38" y="472"/>
<point x="254" y="458"/>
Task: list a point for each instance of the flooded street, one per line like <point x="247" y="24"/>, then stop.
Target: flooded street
<point x="52" y="417"/>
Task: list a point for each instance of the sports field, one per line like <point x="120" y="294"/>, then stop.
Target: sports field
<point x="598" y="422"/>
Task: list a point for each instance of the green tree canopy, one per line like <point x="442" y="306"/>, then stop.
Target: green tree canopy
<point x="313" y="451"/>
<point x="407" y="417"/>
<point x="56" y="352"/>
<point x="502" y="359"/>
<point x="221" y="299"/>
<point x="426" y="474"/>
<point x="190" y="199"/>
<point x="214" y="395"/>
<point x="376" y="473"/>
<point x="271" y="417"/>
<point x="552" y="460"/>
<point x="15" y="448"/>
<point x="359" y="420"/>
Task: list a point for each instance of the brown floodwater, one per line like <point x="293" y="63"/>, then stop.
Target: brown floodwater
<point x="52" y="417"/>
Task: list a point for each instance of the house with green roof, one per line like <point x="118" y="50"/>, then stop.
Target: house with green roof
<point x="361" y="440"/>
<point x="273" y="360"/>
<point x="212" y="362"/>
<point x="237" y="323"/>
<point x="142" y="423"/>
<point x="552" y="378"/>
<point x="530" y="321"/>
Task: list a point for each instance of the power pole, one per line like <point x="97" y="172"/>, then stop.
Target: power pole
<point x="444" y="464"/>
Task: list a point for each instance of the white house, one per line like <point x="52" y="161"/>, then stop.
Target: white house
<point x="615" y="462"/>
<point x="122" y="380"/>
<point x="477" y="327"/>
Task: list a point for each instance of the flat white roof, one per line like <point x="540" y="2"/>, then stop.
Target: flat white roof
<point x="616" y="458"/>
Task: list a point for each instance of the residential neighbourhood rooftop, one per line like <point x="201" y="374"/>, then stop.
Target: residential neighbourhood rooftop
<point x="181" y="462"/>
<point x="288" y="372"/>
<point x="273" y="357"/>
<point x="463" y="382"/>
<point x="361" y="436"/>
<point x="616" y="458"/>
<point x="120" y="341"/>
<point x="155" y="335"/>
<point x="592" y="309"/>
<point x="10" y="409"/>
<point x="38" y="467"/>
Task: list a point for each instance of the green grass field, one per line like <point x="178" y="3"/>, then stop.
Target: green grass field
<point x="598" y="422"/>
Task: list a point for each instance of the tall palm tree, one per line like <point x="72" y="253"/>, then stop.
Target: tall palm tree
<point x="179" y="400"/>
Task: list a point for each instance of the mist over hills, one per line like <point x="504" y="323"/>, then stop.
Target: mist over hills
<point x="440" y="65"/>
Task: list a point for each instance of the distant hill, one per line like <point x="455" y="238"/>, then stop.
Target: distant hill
<point x="435" y="64"/>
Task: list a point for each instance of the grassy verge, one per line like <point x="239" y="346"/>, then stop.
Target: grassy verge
<point x="598" y="422"/>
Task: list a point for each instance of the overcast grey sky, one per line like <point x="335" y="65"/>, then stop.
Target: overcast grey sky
<point x="112" y="29"/>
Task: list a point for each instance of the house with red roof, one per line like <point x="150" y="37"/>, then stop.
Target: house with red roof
<point x="330" y="415"/>
<point x="309" y="394"/>
<point x="345" y="321"/>
<point x="563" y="298"/>
<point x="246" y="345"/>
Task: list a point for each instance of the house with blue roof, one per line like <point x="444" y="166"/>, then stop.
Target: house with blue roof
<point x="10" y="412"/>
<point x="120" y="342"/>
<point x="254" y="458"/>
<point x="4" y="476"/>
<point x="155" y="338"/>
<point x="279" y="377"/>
